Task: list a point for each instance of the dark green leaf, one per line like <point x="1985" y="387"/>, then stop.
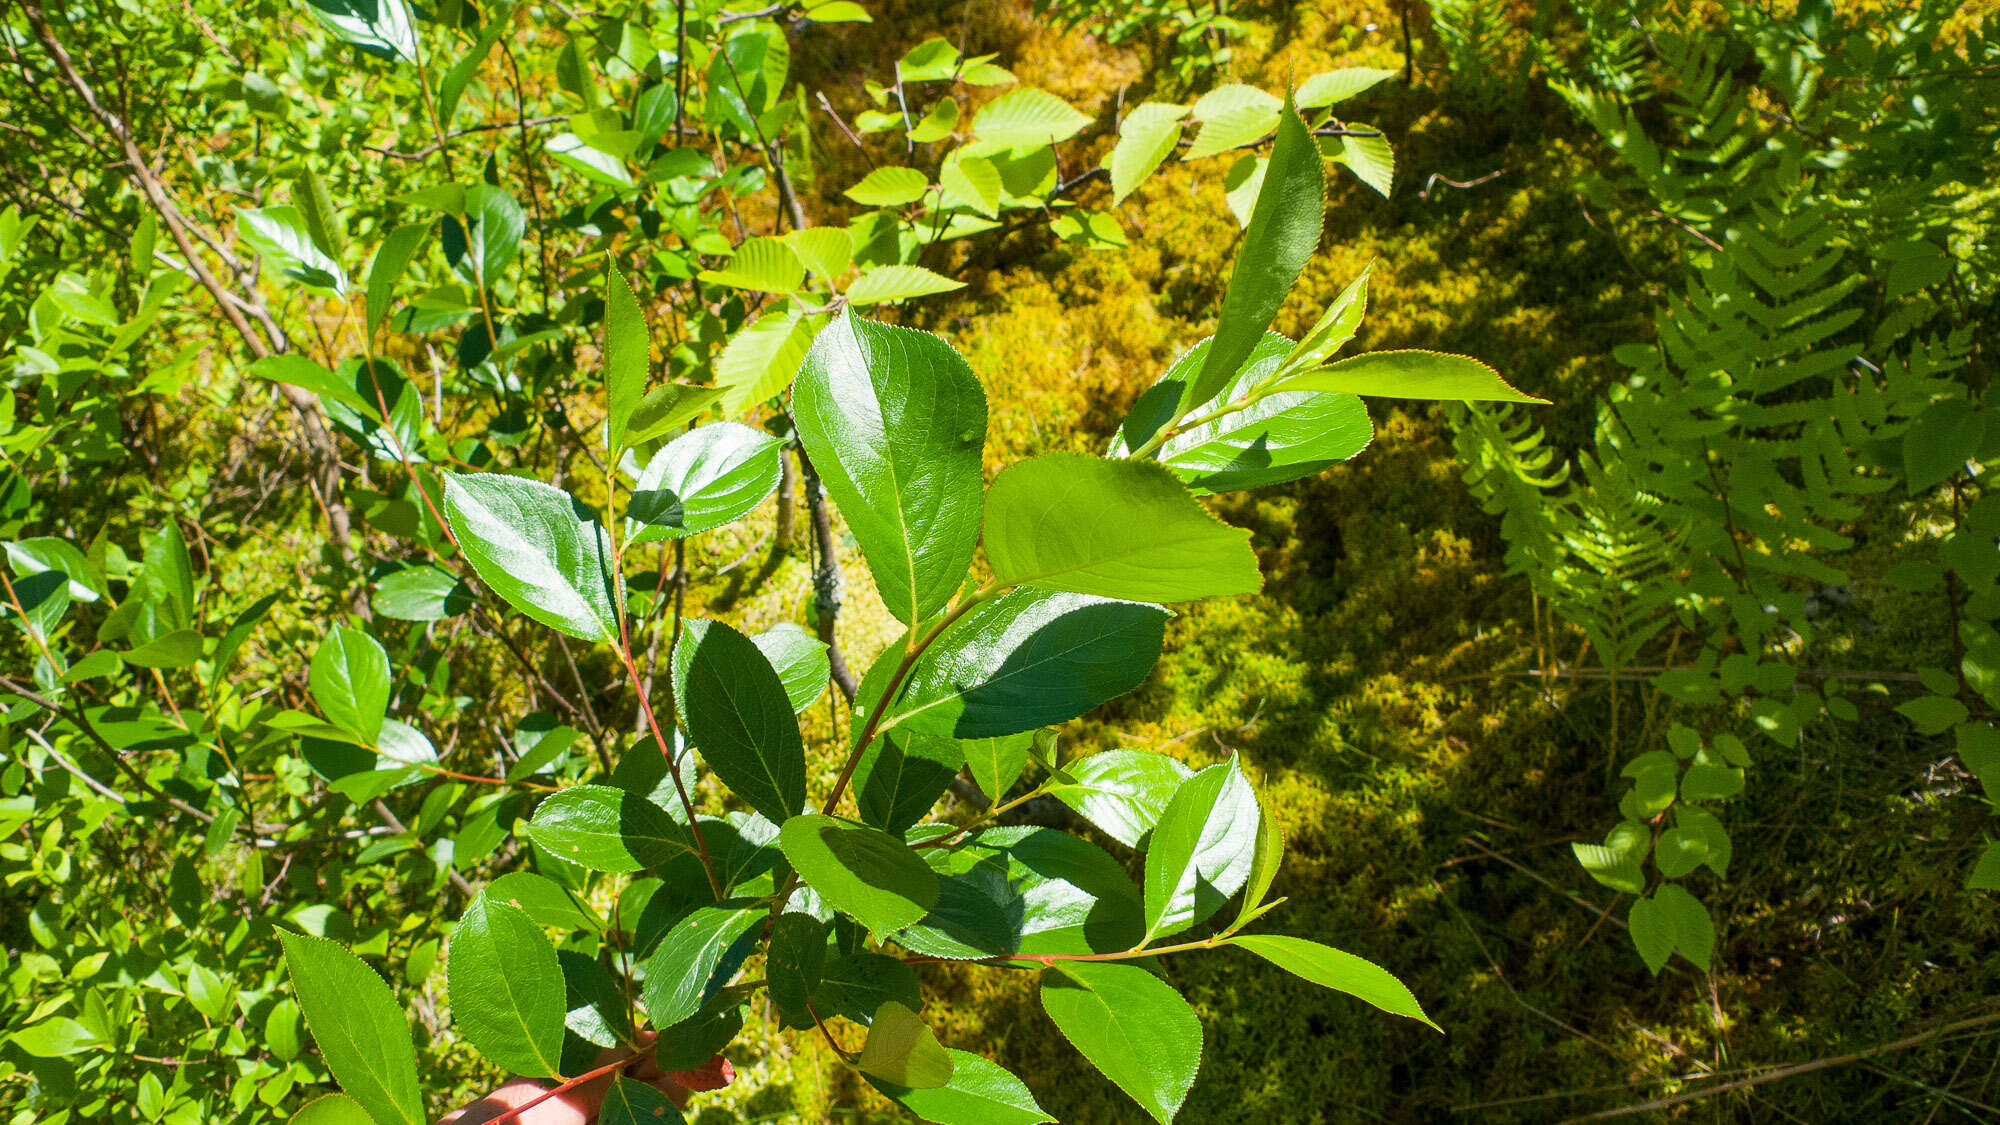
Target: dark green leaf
<point x="862" y="872"/>
<point x="1131" y="1026"/>
<point x="1027" y="659"/>
<point x="360" y="1028"/>
<point x="629" y="1102"/>
<point x="390" y="262"/>
<point x="895" y="422"/>
<point x="1330" y="968"/>
<point x="1030" y="891"/>
<point x="1283" y="233"/>
<point x="979" y="1093"/>
<point x="902" y="774"/>
<point x="627" y="353"/>
<point x="538" y="548"/>
<point x="1116" y="529"/>
<point x="606" y="829"/>
<point x="793" y="965"/>
<point x="507" y="989"/>
<point x="738" y="713"/>
<point x="1201" y="851"/>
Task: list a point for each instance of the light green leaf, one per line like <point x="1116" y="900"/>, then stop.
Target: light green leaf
<point x="1027" y="118"/>
<point x="862" y="872"/>
<point x="972" y="181"/>
<point x="362" y="1033"/>
<point x="1694" y="930"/>
<point x="1243" y="184"/>
<point x="1284" y="231"/>
<point x="298" y="371"/>
<point x="826" y="251"/>
<point x="979" y="1093"/>
<point x="333" y="1109"/>
<point x="280" y="233"/>
<point x="711" y="476"/>
<point x="602" y="828"/>
<point x="539" y="548"/>
<point x="1410" y="374"/>
<point x="897" y="283"/>
<point x="668" y="407"/>
<point x="937" y="123"/>
<point x="895" y="423"/>
<point x="1369" y="157"/>
<point x="1330" y="968"/>
<point x="800" y="660"/>
<point x="1339" y="85"/>
<point x="693" y="961"/>
<point x="737" y="711"/>
<point x="1335" y="328"/>
<point x="901" y="1049"/>
<point x="507" y="989"/>
<point x="889" y="187"/>
<point x="55" y="1038"/>
<point x="1233" y="128"/>
<point x="760" y="361"/>
<point x="1268" y="856"/>
<point x="390" y="261"/>
<point x="996" y="763"/>
<point x="761" y="264"/>
<point x="177" y="649"/>
<point x="1145" y="140"/>
<point x="1122" y="792"/>
<point x="1116" y="529"/>
<point x="421" y="593"/>
<point x="1201" y="850"/>
<point x="594" y="164"/>
<point x="1131" y="1026"/>
<point x="350" y="682"/>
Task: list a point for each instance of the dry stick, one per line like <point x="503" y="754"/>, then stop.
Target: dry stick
<point x="237" y="308"/>
<point x="1792" y="1071"/>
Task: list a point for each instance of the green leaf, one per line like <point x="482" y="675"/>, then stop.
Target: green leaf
<point x="903" y="1050"/>
<point x="539" y="548"/>
<point x="1369" y="157"/>
<point x="800" y="660"/>
<point x="1680" y="851"/>
<point x="350" y="682"/>
<point x="298" y="371"/>
<point x="979" y="1093"/>
<point x="541" y="897"/>
<point x="280" y="233"/>
<point x="1331" y="968"/>
<point x="737" y="711"/>
<point x="1131" y="1026"/>
<point x="1117" y="529"/>
<point x="606" y="829"/>
<point x="761" y="264"/>
<point x="856" y="986"/>
<point x="897" y="283"/>
<point x="390" y="261"/>
<point x="1284" y="231"/>
<point x="1201" y="850"/>
<point x="507" y="989"/>
<point x="937" y="123"/>
<point x="1122" y="792"/>
<point x="1335" y="328"/>
<point x="668" y="407"/>
<point x="1032" y="891"/>
<point x="1145" y="140"/>
<point x="862" y="872"/>
<point x="630" y="1102"/>
<point x="1268" y="856"/>
<point x="421" y="593"/>
<point x="901" y="774"/>
<point x="1705" y="782"/>
<point x="793" y="964"/>
<point x="333" y="1109"/>
<point x="1338" y="85"/>
<point x="971" y="181"/>
<point x="55" y="1038"/>
<point x="996" y="763"/>
<point x="1233" y="128"/>
<point x="1985" y="874"/>
<point x="1933" y="714"/>
<point x="379" y="27"/>
<point x="1652" y="933"/>
<point x="1694" y="930"/>
<point x="895" y="423"/>
<point x="177" y="649"/>
<point x="1027" y="118"/>
<point x="316" y="207"/>
<point x="694" y="961"/>
<point x="588" y="161"/>
<point x="1410" y="374"/>
<point x="627" y="353"/>
<point x="1027" y="659"/>
<point x="44" y="553"/>
<point x="826" y="251"/>
<point x="889" y="187"/>
<point x="760" y="361"/>
<point x="361" y="1030"/>
<point x="711" y="476"/>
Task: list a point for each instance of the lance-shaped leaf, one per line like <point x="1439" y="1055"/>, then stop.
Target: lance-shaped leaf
<point x="627" y="353"/>
<point x="1116" y="529"/>
<point x="1131" y="1026"/>
<point x="981" y="1092"/>
<point x="862" y="872"/>
<point x="539" y="548"/>
<point x="737" y="711"/>
<point x="895" y="421"/>
<point x="350" y="682"/>
<point x="507" y="989"/>
<point x="1201" y="850"/>
<point x="390" y="261"/>
<point x="1122" y="792"/>
<point x="668" y="407"/>
<point x="696" y="958"/>
<point x="361" y="1030"/>
<point x="1331" y="968"/>
<point x="1027" y="659"/>
<point x="606" y="829"/>
<point x="903" y="1050"/>
<point x="1410" y="374"/>
<point x="1283" y="232"/>
<point x="708" y="477"/>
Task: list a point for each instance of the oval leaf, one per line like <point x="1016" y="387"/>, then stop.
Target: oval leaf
<point x="539" y="548"/>
<point x="1201" y="851"/>
<point x="360" y="1028"/>
<point x="507" y="989"/>
<point x="860" y="871"/>
<point x="606" y="829"/>
<point x="738" y="712"/>
<point x="708" y="477"/>
<point x="1131" y="1026"/>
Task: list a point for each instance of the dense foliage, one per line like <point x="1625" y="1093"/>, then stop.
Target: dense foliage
<point x="453" y="450"/>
